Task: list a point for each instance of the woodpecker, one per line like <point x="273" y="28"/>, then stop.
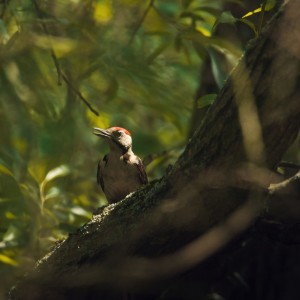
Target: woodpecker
<point x="121" y="172"/>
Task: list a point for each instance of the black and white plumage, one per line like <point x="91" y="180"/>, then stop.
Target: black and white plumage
<point x="121" y="172"/>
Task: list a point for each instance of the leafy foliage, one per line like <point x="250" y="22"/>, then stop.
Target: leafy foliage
<point x="135" y="62"/>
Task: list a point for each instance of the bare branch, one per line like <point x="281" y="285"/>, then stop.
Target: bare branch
<point x="275" y="187"/>
<point x="60" y="74"/>
<point x="69" y="83"/>
<point x="263" y="10"/>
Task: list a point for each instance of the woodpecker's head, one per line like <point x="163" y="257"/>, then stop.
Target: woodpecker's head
<point x="117" y="137"/>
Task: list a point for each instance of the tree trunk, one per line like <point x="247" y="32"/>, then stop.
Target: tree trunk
<point x="152" y="243"/>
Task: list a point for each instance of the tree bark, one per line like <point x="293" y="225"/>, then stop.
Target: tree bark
<point x="213" y="193"/>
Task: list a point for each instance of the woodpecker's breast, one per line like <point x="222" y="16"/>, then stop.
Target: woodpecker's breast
<point x="120" y="176"/>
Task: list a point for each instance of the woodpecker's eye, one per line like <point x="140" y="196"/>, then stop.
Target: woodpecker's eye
<point x="117" y="133"/>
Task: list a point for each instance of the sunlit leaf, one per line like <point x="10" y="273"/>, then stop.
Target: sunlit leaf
<point x="10" y="215"/>
<point x="77" y="210"/>
<point x="270" y="5"/>
<point x="213" y="10"/>
<point x="11" y="234"/>
<point x="191" y="15"/>
<point x="60" y="171"/>
<point x="203" y="30"/>
<point x="7" y="260"/>
<point x="52" y="193"/>
<point x="61" y="46"/>
<point x="103" y="11"/>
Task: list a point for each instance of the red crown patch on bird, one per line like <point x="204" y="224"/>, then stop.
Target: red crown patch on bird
<point x="121" y="129"/>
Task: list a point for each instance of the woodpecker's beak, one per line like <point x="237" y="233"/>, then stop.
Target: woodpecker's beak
<point x="102" y="132"/>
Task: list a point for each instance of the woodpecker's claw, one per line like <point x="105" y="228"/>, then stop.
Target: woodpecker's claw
<point x="101" y="132"/>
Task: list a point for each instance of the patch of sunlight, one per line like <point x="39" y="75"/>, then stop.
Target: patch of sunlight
<point x="204" y="31"/>
<point x="103" y="11"/>
<point x="101" y="121"/>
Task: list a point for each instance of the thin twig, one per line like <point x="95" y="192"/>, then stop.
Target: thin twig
<point x="290" y="165"/>
<point x="136" y="29"/>
<point x="275" y="187"/>
<point x="57" y="66"/>
<point x="69" y="83"/>
<point x="60" y="74"/>
<point x="263" y="9"/>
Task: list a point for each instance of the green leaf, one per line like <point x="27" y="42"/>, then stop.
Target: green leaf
<point x="5" y="170"/>
<point x="219" y="69"/>
<point x="211" y="10"/>
<point x="227" y="17"/>
<point x="206" y="100"/>
<point x="60" y="171"/>
<point x="192" y="15"/>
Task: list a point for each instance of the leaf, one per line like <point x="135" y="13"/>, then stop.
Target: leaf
<point x="79" y="211"/>
<point x="192" y="15"/>
<point x="270" y="5"/>
<point x="250" y="24"/>
<point x="7" y="260"/>
<point x="60" y="171"/>
<point x="103" y="12"/>
<point x="209" y="9"/>
<point x="203" y="31"/>
<point x="206" y="100"/>
<point x="195" y="36"/>
<point x="9" y="215"/>
<point x="219" y="70"/>
<point x="61" y="46"/>
<point x="6" y="171"/>
<point x="227" y="17"/>
<point x="11" y="235"/>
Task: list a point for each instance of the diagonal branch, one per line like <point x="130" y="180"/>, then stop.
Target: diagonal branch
<point x="78" y="93"/>
<point x="60" y="74"/>
<point x="275" y="187"/>
<point x="139" y="24"/>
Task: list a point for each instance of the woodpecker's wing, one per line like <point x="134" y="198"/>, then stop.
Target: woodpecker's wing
<point x="142" y="172"/>
<point x="99" y="174"/>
